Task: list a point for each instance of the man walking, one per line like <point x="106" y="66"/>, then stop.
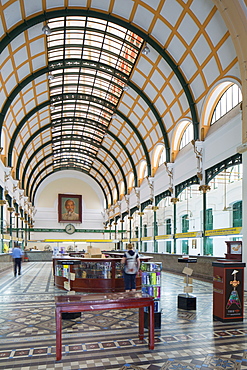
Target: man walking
<point x="17" y="255"/>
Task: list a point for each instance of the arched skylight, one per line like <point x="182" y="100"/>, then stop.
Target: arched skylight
<point x="187" y="136"/>
<point x="162" y="157"/>
<point x="230" y="98"/>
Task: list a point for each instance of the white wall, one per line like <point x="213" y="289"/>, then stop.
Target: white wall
<point x="46" y="203"/>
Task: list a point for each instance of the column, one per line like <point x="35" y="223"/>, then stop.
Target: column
<point x="244" y="213"/>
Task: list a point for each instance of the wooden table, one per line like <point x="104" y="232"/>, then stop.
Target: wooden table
<point x="109" y="301"/>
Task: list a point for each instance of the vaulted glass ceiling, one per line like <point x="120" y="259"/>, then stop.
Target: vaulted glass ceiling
<point x="90" y="62"/>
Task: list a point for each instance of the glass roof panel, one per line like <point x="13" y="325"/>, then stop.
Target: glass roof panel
<point x="90" y="61"/>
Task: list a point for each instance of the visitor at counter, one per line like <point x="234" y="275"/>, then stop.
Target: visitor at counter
<point x="131" y="264"/>
<point x="17" y="256"/>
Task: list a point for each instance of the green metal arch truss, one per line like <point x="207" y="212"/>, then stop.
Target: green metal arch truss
<point x="49" y="155"/>
<point x="46" y="70"/>
<point x="30" y="139"/>
<point x="50" y="142"/>
<point x="76" y="169"/>
<point x="24" y="120"/>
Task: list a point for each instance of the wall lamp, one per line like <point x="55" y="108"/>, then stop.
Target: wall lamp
<point x="125" y="88"/>
<point x="46" y="30"/>
<point x="146" y="50"/>
<point x="50" y="77"/>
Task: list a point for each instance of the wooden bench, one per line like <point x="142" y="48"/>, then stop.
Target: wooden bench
<point x="108" y="301"/>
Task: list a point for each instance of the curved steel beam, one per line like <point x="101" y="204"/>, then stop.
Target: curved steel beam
<point x="149" y="169"/>
<point x="27" y="23"/>
<point x="96" y="159"/>
<point x="23" y="121"/>
<point x="75" y="169"/>
<point x="145" y="98"/>
<point x="128" y="155"/>
<point x="49" y="155"/>
<point x="50" y="142"/>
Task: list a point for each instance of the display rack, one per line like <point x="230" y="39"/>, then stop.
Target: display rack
<point x="64" y="269"/>
<point x="186" y="300"/>
<point x="151" y="284"/>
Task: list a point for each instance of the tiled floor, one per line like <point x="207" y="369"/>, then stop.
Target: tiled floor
<point x="106" y="340"/>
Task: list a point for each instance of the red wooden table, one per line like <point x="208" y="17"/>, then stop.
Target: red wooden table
<point x="108" y="301"/>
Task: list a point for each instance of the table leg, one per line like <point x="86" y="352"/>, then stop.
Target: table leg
<point x="151" y="325"/>
<point x="58" y="334"/>
<point x="141" y="323"/>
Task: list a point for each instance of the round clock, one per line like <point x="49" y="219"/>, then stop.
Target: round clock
<point x="70" y="229"/>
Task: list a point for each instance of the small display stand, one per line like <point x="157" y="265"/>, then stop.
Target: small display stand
<point x="228" y="290"/>
<point x="186" y="300"/>
<point x="234" y="250"/>
<point x="70" y="276"/>
<point x="151" y="284"/>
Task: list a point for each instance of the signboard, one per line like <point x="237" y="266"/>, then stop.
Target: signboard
<point x="226" y="231"/>
<point x="194" y="234"/>
<point x="161" y="237"/>
<point x="234" y="293"/>
<point x="147" y="238"/>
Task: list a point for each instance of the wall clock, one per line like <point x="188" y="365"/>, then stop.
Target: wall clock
<point x="70" y="229"/>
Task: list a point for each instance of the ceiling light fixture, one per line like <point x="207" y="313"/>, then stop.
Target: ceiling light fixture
<point x="52" y="107"/>
<point x="125" y="88"/>
<point x="146" y="50"/>
<point x="46" y="30"/>
<point x="50" y="77"/>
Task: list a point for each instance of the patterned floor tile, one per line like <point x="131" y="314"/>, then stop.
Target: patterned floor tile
<point x="108" y="340"/>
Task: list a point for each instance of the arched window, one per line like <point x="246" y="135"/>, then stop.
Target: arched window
<point x="162" y="157"/>
<point x="230" y="98"/>
<point x="122" y="189"/>
<point x="130" y="181"/>
<point x="142" y="171"/>
<point x="145" y="233"/>
<point x="185" y="228"/>
<point x="187" y="136"/>
<point x="114" y="196"/>
<point x="237" y="214"/>
<point x="209" y="219"/>
<point x="136" y="232"/>
<point x="168" y="226"/>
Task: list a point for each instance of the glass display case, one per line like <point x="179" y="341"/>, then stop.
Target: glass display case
<point x="92" y="274"/>
<point x="93" y="270"/>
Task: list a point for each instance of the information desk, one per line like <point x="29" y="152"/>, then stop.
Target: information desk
<point x="92" y="275"/>
<point x="112" y="301"/>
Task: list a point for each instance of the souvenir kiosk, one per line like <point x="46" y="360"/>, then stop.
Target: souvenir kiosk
<point x="91" y="275"/>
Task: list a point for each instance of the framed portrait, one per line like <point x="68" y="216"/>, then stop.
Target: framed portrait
<point x="69" y="208"/>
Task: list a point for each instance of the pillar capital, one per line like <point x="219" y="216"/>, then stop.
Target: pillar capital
<point x="174" y="200"/>
<point x="204" y="188"/>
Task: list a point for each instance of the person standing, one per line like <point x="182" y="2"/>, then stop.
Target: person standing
<point x="131" y="263"/>
<point x="17" y="256"/>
